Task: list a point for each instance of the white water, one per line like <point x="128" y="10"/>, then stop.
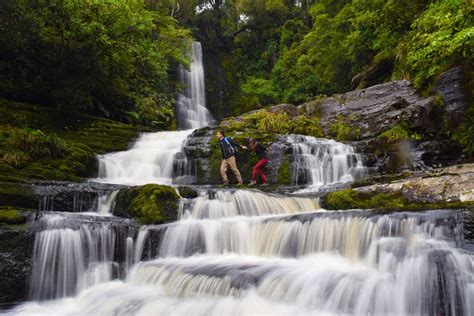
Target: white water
<point x="246" y="252"/>
<point x="325" y="161"/>
<point x="320" y="263"/>
<point x="152" y="157"/>
<point x="191" y="106"/>
<point x="69" y="256"/>
<point x="150" y="160"/>
<point x="106" y="203"/>
<point x="228" y="203"/>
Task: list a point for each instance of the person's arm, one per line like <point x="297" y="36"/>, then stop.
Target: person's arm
<point x="235" y="144"/>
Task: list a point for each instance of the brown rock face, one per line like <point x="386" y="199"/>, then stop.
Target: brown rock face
<point x="451" y="184"/>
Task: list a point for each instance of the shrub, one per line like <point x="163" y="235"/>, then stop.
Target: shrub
<point x="397" y="133"/>
<point x="24" y="145"/>
<point x="343" y="132"/>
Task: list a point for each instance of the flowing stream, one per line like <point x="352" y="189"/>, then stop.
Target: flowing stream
<point x="245" y="251"/>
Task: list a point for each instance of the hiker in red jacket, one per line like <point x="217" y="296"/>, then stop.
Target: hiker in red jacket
<point x="259" y="167"/>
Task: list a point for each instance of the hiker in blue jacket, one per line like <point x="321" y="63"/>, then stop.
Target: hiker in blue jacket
<point x="228" y="150"/>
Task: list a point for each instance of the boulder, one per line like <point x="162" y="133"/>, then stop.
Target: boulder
<point x="443" y="185"/>
<point x="14" y="263"/>
<point x="148" y="204"/>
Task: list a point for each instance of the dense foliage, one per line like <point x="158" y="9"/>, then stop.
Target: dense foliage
<point x="118" y="58"/>
<point x="106" y="57"/>
<point x="266" y="51"/>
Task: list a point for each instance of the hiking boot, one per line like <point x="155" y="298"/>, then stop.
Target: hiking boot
<point x="240" y="184"/>
<point x="264" y="184"/>
<point x="253" y="182"/>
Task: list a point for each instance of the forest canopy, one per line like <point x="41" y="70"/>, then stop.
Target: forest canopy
<point x="107" y="57"/>
<point x="119" y="58"/>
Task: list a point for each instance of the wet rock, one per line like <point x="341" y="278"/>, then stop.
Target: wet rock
<point x="374" y="109"/>
<point x="187" y="192"/>
<point x="449" y="86"/>
<point x="17" y="194"/>
<point x="443" y="185"/>
<point x="289" y="109"/>
<point x="70" y="197"/>
<point x="14" y="263"/>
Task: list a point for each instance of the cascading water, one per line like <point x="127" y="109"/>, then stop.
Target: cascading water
<point x="191" y="106"/>
<point x="153" y="157"/>
<point x="71" y="253"/>
<point x="354" y="262"/>
<point x="150" y="160"/>
<point x="245" y="251"/>
<point x="321" y="162"/>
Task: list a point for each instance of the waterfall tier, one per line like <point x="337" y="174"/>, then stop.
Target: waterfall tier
<point x="150" y="160"/>
<point x="319" y="162"/>
<point x="191" y="106"/>
<point x="71" y="253"/>
<point x="228" y="203"/>
<point x="354" y="262"/>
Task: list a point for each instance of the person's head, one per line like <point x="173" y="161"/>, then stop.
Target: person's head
<point x="220" y="134"/>
<point x="252" y="142"/>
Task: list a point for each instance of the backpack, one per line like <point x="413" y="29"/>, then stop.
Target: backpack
<point x="231" y="147"/>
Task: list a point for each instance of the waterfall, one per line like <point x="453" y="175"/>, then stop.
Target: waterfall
<point x="150" y="160"/>
<point x="106" y="202"/>
<point x="321" y="162"/>
<point x="243" y="252"/>
<point x="343" y="262"/>
<point x="226" y="203"/>
<point x="73" y="253"/>
<point x="154" y="156"/>
<point x="191" y="106"/>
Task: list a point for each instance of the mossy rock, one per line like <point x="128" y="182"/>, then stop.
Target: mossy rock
<point x="284" y="172"/>
<point x="149" y="204"/>
<point x="15" y="261"/>
<point x="352" y="199"/>
<point x="12" y="216"/>
<point x="187" y="192"/>
<point x="18" y="195"/>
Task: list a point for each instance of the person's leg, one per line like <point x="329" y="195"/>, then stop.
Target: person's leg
<point x="224" y="165"/>
<point x="233" y="166"/>
<point x="255" y="172"/>
<point x="258" y="170"/>
<point x="263" y="176"/>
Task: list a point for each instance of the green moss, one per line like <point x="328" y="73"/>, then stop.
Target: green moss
<point x="265" y="124"/>
<point x="284" y="172"/>
<point x="187" y="192"/>
<point x="351" y="199"/>
<point x="394" y="134"/>
<point x="48" y="144"/>
<point x="342" y="131"/>
<point x="149" y="204"/>
<point x="17" y="194"/>
<point x="11" y="216"/>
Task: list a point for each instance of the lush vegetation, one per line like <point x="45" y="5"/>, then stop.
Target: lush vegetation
<point x="266" y="51"/>
<point x="119" y="58"/>
<point x="113" y="58"/>
<point x="264" y="124"/>
<point x="43" y="143"/>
